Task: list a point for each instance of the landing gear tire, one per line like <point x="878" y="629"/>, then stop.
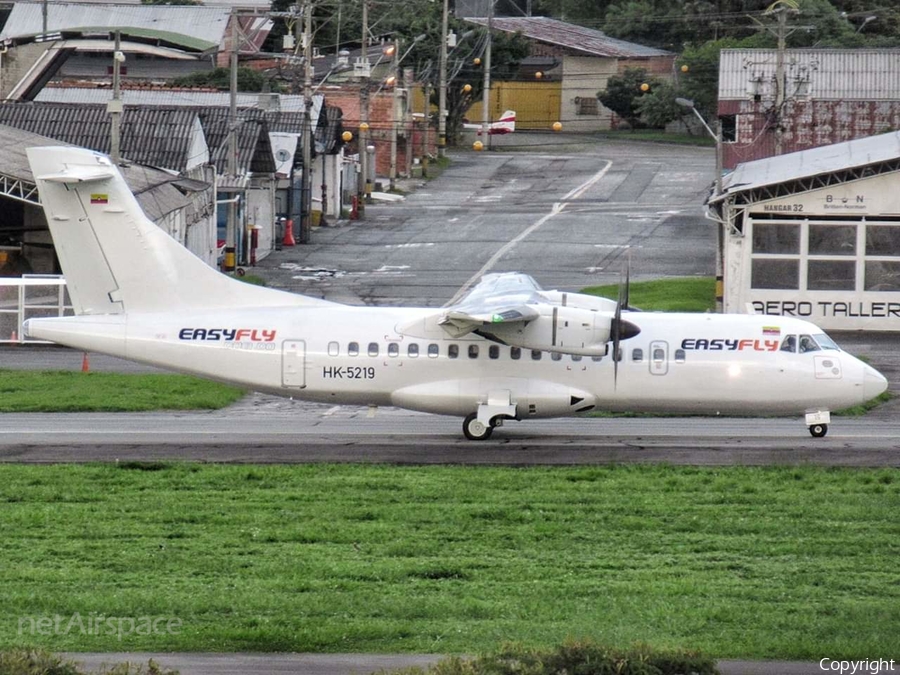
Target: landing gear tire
<point x="818" y="430"/>
<point x="475" y="430"/>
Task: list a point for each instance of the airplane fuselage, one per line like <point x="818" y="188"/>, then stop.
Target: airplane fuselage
<point x="688" y="363"/>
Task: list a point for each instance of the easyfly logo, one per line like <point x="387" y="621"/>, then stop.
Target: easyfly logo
<point x="227" y="334"/>
<point x="729" y="345"/>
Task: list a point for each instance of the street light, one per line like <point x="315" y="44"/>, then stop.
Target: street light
<point x="720" y="231"/>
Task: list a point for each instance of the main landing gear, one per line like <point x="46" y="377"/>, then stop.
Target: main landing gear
<point x="817" y="422"/>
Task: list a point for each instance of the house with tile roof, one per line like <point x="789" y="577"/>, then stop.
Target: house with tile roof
<point x="574" y="63"/>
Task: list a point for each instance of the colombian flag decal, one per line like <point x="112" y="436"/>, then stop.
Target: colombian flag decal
<point x="99" y="199"/>
<point x="771" y="330"/>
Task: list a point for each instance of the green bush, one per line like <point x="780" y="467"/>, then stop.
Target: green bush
<point x="573" y="658"/>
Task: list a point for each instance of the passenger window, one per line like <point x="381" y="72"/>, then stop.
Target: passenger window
<point x="453" y="351"/>
<point x="536" y="354"/>
<point x="515" y="353"/>
<point x="413" y="350"/>
<point x="576" y="357"/>
<point x="789" y="344"/>
<point x="596" y="359"/>
<point x="393" y="349"/>
<point x="353" y="349"/>
<point x="679" y="356"/>
<point x="333" y="349"/>
<point x="433" y="351"/>
<point x="659" y="355"/>
<point x="556" y="356"/>
<point x="494" y="352"/>
<point x="473" y="351"/>
<point x="807" y="344"/>
<point x="373" y="349"/>
<point x="637" y="355"/>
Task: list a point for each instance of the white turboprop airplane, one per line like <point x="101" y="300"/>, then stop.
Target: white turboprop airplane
<point x="505" y="125"/>
<point x="509" y="350"/>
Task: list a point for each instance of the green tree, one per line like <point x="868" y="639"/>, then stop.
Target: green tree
<point x="623" y="93"/>
<point x="657" y="107"/>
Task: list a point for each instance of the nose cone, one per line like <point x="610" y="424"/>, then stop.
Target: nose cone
<point x="874" y="383"/>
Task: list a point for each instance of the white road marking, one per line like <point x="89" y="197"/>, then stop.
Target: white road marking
<point x="557" y="208"/>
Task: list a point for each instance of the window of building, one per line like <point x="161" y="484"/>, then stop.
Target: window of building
<point x="373" y="349"/>
<point x="831" y="275"/>
<point x="473" y="351"/>
<point x="413" y="350"/>
<point x="453" y="351"/>
<point x="493" y="352"/>
<point x="728" y="125"/>
<point x="586" y="105"/>
<point x="433" y="350"/>
<point x="776" y="238"/>
<point x="515" y="353"/>
<point x="353" y="349"/>
<point x="393" y="349"/>
<point x="768" y="273"/>
<point x="333" y="349"/>
<point x="832" y="239"/>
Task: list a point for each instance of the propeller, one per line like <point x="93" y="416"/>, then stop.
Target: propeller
<point x="622" y="302"/>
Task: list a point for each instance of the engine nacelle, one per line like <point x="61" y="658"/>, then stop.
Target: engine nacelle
<point x="579" y="300"/>
<point x="567" y="330"/>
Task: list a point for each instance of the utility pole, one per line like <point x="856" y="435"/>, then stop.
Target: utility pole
<point x="306" y="194"/>
<point x="781" y="31"/>
<point x="486" y="104"/>
<point x="231" y="223"/>
<point x="363" y="137"/>
<point x="442" y="84"/>
<point x="114" y="107"/>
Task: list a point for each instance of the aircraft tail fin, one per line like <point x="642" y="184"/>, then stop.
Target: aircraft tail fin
<point x="114" y="258"/>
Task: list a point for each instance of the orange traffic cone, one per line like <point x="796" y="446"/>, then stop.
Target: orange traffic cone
<point x="85" y="366"/>
<point x="289" y="234"/>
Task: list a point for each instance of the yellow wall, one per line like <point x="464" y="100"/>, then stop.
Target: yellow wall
<point x="537" y="104"/>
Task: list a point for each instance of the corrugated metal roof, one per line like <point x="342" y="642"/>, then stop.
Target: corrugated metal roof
<point x="152" y="188"/>
<point x="254" y="148"/>
<point x="153" y="136"/>
<point x="813" y="162"/>
<point x="819" y="74"/>
<point x="175" y="97"/>
<point x="570" y="36"/>
<point x="202" y="23"/>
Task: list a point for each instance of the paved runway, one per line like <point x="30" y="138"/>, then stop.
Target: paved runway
<point x="305" y="433"/>
<point x="358" y="664"/>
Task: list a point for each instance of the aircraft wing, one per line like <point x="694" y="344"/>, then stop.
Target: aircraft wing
<point x="497" y="299"/>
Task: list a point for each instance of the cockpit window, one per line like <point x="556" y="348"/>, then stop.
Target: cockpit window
<point x="825" y="342"/>
<point x="789" y="344"/>
<point x="807" y="344"/>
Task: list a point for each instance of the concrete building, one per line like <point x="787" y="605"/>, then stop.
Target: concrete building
<point x="825" y="96"/>
<point x="578" y="62"/>
<point x="816" y="234"/>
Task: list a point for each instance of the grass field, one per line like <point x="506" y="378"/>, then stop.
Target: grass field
<point x="794" y="563"/>
<point x="66" y="391"/>
<point x="688" y="294"/>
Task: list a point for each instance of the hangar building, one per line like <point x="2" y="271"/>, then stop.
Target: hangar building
<point x="816" y="234"/>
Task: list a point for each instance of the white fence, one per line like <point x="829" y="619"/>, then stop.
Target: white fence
<point x="32" y="296"/>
